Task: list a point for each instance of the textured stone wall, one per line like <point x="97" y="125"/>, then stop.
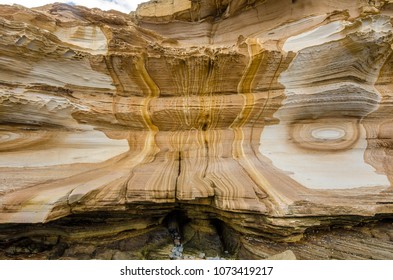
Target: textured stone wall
<point x="272" y="117"/>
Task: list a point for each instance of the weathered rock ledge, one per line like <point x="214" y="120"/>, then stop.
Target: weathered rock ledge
<point x="265" y="119"/>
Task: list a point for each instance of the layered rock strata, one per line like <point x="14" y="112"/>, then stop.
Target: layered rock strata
<point x="272" y="117"/>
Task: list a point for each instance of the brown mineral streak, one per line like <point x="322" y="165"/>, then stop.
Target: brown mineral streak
<point x="270" y="116"/>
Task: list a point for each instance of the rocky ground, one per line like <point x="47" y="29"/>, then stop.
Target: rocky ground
<point x="366" y="241"/>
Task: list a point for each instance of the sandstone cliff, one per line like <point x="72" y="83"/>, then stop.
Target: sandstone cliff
<point x="256" y="117"/>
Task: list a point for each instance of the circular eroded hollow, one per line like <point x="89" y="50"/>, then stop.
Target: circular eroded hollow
<point x="328" y="133"/>
<point x="325" y="134"/>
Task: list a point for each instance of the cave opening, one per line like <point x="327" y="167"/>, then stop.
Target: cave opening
<point x="229" y="237"/>
<point x="219" y="227"/>
<point x="175" y="222"/>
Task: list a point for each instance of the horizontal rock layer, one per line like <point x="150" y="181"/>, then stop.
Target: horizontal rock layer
<point x="272" y="117"/>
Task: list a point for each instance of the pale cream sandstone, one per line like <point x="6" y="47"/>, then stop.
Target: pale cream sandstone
<point x="271" y="116"/>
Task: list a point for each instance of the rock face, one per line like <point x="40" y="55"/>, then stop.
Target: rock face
<point x="266" y="118"/>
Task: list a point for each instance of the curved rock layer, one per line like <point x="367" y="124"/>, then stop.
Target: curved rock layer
<point x="270" y="116"/>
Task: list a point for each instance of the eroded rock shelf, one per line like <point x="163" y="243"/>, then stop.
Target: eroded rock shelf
<point x="257" y="122"/>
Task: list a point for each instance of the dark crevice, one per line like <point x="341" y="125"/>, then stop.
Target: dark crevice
<point x="218" y="225"/>
<point x="207" y="158"/>
<point x="226" y="238"/>
<point x="175" y="222"/>
<point x="179" y="169"/>
<point x="178" y="174"/>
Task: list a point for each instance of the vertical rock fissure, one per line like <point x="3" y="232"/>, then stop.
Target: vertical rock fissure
<point x="207" y="157"/>
<point x="179" y="169"/>
<point x="178" y="174"/>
